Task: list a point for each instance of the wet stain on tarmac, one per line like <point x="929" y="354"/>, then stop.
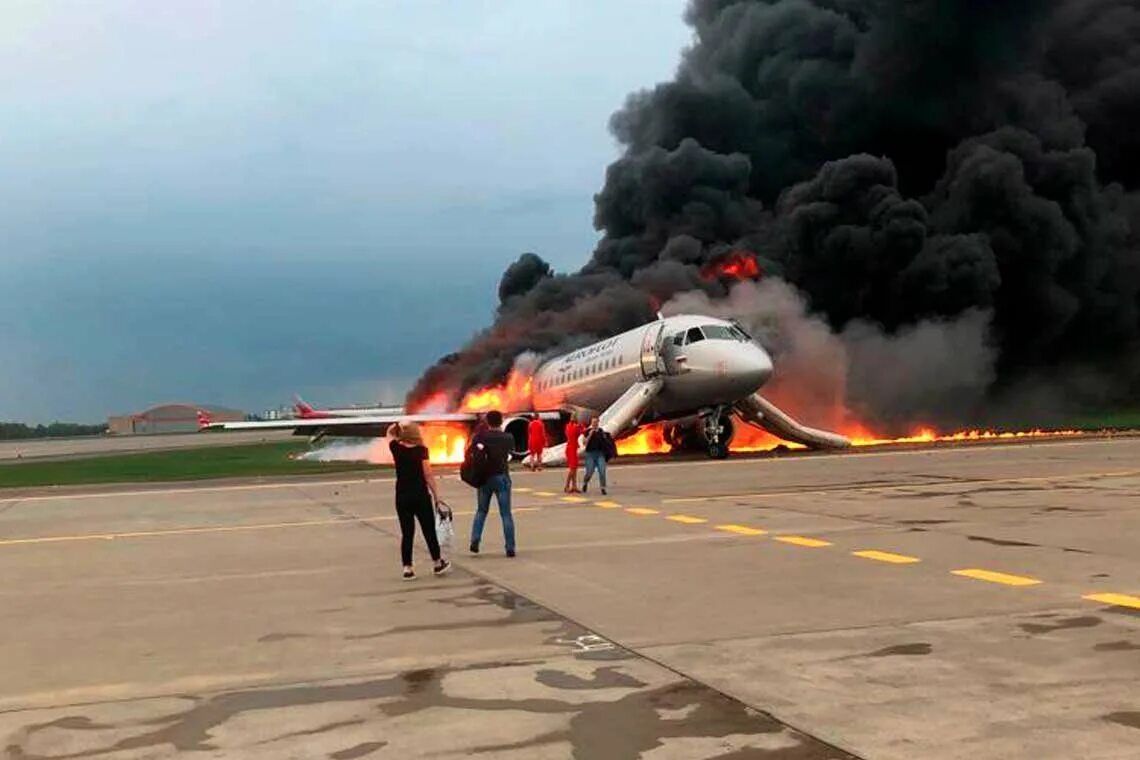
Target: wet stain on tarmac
<point x="919" y="648"/>
<point x="331" y="610"/>
<point x="360" y="750"/>
<point x="1129" y="719"/>
<point x="1100" y="575"/>
<point x="925" y="522"/>
<point x="622" y="729"/>
<point x="1071" y="550"/>
<point x="1085" y="621"/>
<point x="325" y="729"/>
<point x="521" y="611"/>
<point x="1117" y="646"/>
<point x="1000" y="541"/>
<point x="1121" y="611"/>
<point x="417" y="680"/>
<point x="272" y="637"/>
<point x="603" y="678"/>
<point x="375" y="594"/>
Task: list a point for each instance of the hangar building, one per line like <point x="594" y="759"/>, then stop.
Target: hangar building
<point x="169" y="418"/>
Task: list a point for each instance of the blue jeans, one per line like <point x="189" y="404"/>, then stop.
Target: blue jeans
<point x="595" y="460"/>
<point x="500" y="486"/>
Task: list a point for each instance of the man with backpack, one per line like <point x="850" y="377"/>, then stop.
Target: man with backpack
<point x="600" y="448"/>
<point x="486" y="468"/>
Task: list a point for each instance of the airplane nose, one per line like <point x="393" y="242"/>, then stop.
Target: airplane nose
<point x="757" y="366"/>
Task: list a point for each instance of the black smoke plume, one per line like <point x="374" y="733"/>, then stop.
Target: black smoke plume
<point x="897" y="161"/>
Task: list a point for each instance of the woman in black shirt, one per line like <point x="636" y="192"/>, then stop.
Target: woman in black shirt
<point x="416" y="495"/>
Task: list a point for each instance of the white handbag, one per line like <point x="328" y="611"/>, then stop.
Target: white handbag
<point x="444" y="525"/>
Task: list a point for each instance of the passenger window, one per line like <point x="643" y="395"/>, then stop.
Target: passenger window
<point x="694" y="335"/>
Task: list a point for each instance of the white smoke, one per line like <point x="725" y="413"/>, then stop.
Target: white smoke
<point x="371" y="450"/>
<point x="930" y="372"/>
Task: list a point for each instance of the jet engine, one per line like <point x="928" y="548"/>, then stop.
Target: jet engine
<point x="517" y="427"/>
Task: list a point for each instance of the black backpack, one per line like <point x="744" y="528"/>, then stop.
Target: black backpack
<point x="476" y="465"/>
<point x="609" y="448"/>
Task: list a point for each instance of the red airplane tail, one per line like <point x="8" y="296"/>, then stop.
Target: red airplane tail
<point x="303" y="410"/>
<point x="204" y="420"/>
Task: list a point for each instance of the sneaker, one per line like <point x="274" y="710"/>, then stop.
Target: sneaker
<point x="409" y="575"/>
<point x="603" y="492"/>
<point x="442" y="568"/>
<point x="510" y="552"/>
<point x="474" y="548"/>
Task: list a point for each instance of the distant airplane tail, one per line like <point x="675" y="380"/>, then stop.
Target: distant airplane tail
<point x="303" y="409"/>
<point x="204" y="420"/>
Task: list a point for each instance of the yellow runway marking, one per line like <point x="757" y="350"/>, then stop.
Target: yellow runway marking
<point x="523" y="490"/>
<point x="741" y="530"/>
<point x="607" y="504"/>
<point x="1117" y="600"/>
<point x="813" y="543"/>
<point x="543" y="493"/>
<point x="642" y="511"/>
<point x="896" y="559"/>
<point x="992" y="577"/>
<point x="686" y="519"/>
<point x="574" y="499"/>
<point x="215" y="529"/>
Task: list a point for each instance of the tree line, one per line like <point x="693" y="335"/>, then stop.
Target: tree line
<point x="15" y="431"/>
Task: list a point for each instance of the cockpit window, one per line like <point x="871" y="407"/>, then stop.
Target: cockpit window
<point x="679" y="339"/>
<point x="694" y="335"/>
<point x="718" y="332"/>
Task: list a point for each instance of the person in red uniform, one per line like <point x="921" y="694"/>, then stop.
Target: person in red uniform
<point x="573" y="436"/>
<point x="536" y="442"/>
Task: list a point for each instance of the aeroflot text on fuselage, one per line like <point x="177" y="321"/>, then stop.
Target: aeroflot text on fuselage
<point x="589" y="351"/>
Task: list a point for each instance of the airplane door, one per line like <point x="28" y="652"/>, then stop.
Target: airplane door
<point x="651" y="363"/>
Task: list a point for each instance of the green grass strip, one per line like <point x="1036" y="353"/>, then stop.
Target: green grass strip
<point x="206" y="463"/>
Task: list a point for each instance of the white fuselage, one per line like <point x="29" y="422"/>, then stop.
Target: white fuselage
<point x="703" y="362"/>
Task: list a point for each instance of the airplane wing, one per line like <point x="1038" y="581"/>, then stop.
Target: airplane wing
<point x="364" y="426"/>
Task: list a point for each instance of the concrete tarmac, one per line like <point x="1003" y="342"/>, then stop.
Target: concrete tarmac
<point x="976" y="602"/>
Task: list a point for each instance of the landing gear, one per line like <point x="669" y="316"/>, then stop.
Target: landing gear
<point x="716" y="429"/>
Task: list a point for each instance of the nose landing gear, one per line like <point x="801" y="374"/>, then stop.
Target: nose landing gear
<point x="716" y="429"/>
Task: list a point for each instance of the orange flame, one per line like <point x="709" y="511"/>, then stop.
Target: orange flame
<point x="651" y="438"/>
<point x="738" y="265"/>
<point x="446" y="442"/>
<point x="511" y="396"/>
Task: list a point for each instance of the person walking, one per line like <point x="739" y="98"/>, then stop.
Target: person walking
<point x="573" y="441"/>
<point x="597" y="451"/>
<point x="416" y="495"/>
<point x="536" y="442"/>
<point x="498" y="445"/>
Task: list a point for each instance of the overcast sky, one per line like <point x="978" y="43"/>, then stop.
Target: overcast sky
<point x="229" y="201"/>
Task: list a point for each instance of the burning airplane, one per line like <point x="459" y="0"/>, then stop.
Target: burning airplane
<point x="690" y="372"/>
